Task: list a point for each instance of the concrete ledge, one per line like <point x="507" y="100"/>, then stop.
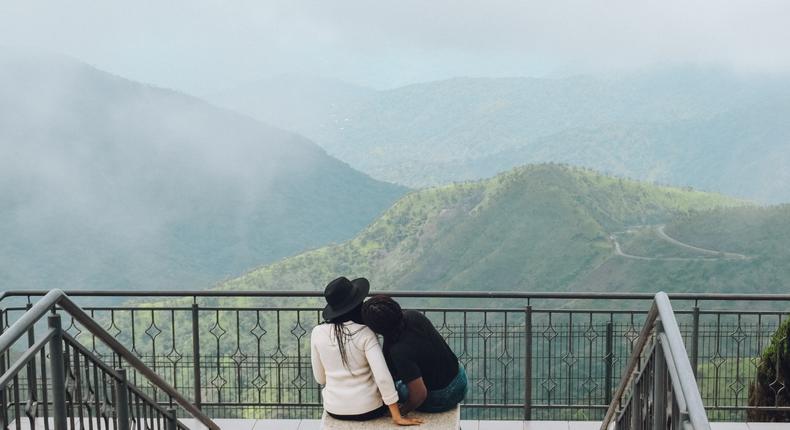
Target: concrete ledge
<point x="450" y="420"/>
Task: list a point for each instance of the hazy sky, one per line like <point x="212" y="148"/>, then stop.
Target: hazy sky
<point x="201" y="46"/>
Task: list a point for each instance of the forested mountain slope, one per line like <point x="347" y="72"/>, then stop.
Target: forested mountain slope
<point x="535" y="228"/>
<point x="108" y="183"/>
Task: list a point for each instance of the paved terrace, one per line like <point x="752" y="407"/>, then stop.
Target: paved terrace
<point x="471" y="425"/>
<point x="237" y="424"/>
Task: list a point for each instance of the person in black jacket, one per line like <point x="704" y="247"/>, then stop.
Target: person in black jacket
<point x="427" y="373"/>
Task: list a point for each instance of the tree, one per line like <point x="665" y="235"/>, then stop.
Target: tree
<point x="772" y="384"/>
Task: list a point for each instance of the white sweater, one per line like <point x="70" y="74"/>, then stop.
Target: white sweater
<point x="365" y="384"/>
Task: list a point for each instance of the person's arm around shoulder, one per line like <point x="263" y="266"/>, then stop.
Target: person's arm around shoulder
<point x="410" y="374"/>
<point x="418" y="392"/>
<point x="381" y="375"/>
<point x="319" y="373"/>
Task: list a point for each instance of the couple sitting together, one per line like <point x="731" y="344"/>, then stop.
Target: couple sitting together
<point x="358" y="375"/>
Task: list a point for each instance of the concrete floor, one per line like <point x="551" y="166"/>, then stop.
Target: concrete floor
<point x="234" y="424"/>
<point x="449" y="420"/>
<point x="471" y="425"/>
<point x="477" y="425"/>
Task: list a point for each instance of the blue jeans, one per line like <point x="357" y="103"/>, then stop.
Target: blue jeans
<point x="438" y="400"/>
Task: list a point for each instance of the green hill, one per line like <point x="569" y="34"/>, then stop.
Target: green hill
<point x="704" y="128"/>
<point x="108" y="183"/>
<point x="536" y="228"/>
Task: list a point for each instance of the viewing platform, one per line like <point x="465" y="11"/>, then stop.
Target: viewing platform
<point x="240" y="360"/>
<point x="472" y="425"/>
<point x="468" y="425"/>
<point x="310" y="424"/>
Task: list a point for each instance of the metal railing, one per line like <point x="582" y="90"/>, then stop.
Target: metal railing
<point x="540" y="356"/>
<point x="658" y="389"/>
<point x="57" y="382"/>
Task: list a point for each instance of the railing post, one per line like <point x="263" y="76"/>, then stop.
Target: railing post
<point x="32" y="380"/>
<point x="58" y="372"/>
<point x="3" y="417"/>
<point x="659" y="384"/>
<point x="636" y="400"/>
<point x="196" y="355"/>
<point x="172" y="420"/>
<point x="528" y="363"/>
<point x="122" y="400"/>
<point x="609" y="357"/>
<point x="636" y="407"/>
<point x="695" y="340"/>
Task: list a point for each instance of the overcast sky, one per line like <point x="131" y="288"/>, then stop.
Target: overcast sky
<point x="202" y="46"/>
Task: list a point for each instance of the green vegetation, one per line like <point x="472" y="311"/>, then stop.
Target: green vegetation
<point x="773" y="375"/>
<point x="536" y="228"/>
<point x="762" y="233"/>
<point x="725" y="382"/>
<point x="754" y="230"/>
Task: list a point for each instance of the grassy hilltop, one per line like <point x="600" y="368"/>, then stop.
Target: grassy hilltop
<point x="536" y="228"/>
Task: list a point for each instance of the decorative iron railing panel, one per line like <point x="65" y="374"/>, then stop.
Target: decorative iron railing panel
<point x="657" y="390"/>
<point x="55" y="381"/>
<point x="527" y="358"/>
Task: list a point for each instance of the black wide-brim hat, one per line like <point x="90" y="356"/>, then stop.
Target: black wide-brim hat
<point x="343" y="296"/>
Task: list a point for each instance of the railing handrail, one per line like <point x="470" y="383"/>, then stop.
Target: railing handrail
<point x="407" y="294"/>
<point x="24" y="359"/>
<point x="28" y="319"/>
<point x="57" y="297"/>
<point x="661" y="309"/>
<point x="685" y="374"/>
<point x="633" y="362"/>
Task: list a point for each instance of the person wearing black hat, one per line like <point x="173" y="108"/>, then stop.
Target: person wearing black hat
<point x="347" y="360"/>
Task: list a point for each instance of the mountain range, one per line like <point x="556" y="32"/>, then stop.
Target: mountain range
<point x="683" y="126"/>
<point x="109" y="183"/>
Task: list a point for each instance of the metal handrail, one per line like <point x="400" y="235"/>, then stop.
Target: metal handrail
<point x="680" y="371"/>
<point x="685" y="374"/>
<point x="673" y="373"/>
<point x="407" y="294"/>
<point x="633" y="362"/>
<point x="28" y="319"/>
<point x="23" y="359"/>
<point x="58" y="298"/>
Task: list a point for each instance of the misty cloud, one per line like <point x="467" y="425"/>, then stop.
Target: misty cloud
<point x="206" y="45"/>
<point x="108" y="183"/>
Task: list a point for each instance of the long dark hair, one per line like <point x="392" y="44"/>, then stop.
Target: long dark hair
<point x="343" y="334"/>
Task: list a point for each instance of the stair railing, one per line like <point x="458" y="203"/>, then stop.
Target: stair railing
<point x="658" y="389"/>
<point x="83" y="391"/>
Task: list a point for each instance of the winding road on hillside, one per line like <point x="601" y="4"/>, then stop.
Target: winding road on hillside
<point x="661" y="234"/>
